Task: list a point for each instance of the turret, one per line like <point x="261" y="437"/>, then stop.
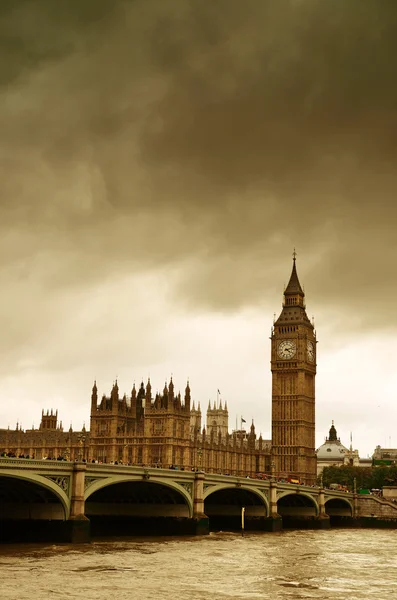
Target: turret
<point x="114" y="396"/>
<point x="148" y="395"/>
<point x="133" y="400"/>
<point x="187" y="396"/>
<point x="252" y="436"/>
<point x="94" y="397"/>
<point x="49" y="420"/>
<point x="171" y="390"/>
<point x="139" y="401"/>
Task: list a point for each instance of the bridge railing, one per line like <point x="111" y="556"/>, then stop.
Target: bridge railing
<point x="28" y="463"/>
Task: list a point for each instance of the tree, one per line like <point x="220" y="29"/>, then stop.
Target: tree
<point x="366" y="477"/>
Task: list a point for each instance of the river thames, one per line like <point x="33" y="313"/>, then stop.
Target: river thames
<point x="323" y="565"/>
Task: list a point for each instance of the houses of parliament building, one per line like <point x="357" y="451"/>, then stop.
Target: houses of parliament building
<point x="166" y="429"/>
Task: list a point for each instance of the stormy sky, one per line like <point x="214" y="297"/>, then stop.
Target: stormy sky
<point x="159" y="162"/>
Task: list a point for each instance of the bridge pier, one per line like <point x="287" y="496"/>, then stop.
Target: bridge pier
<point x="355" y="505"/>
<point x="274" y="521"/>
<point x="323" y="520"/>
<point x="201" y="521"/>
<point x="78" y="524"/>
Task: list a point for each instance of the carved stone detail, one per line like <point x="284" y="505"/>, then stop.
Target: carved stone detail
<point x="62" y="482"/>
<point x="189" y="488"/>
<point x="90" y="480"/>
<point x="208" y="485"/>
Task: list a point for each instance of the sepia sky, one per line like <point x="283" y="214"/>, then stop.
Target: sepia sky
<point x="159" y="162"/>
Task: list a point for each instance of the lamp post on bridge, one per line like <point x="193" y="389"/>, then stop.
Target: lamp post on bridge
<point x="355" y="498"/>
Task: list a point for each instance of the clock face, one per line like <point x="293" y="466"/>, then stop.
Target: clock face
<point x="310" y="351"/>
<point x="286" y="349"/>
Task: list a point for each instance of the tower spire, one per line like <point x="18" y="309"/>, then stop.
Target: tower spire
<point x="294" y="287"/>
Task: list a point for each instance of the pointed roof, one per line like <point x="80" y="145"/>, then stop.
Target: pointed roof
<point x="294" y="287"/>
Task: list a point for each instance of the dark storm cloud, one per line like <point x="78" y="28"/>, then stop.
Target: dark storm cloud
<point x="215" y="134"/>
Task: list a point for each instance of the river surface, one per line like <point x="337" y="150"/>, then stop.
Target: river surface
<point x="336" y="564"/>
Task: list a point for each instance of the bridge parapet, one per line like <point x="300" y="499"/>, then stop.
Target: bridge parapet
<point x="31" y="464"/>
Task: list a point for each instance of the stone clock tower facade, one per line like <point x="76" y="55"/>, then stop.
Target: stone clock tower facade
<point x="293" y="365"/>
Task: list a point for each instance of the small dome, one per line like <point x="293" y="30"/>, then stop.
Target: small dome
<point x="331" y="450"/>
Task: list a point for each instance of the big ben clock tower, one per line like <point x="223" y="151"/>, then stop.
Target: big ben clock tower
<point x="293" y="364"/>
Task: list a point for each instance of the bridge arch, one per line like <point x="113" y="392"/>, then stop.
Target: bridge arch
<point x="33" y="485"/>
<point x="178" y="492"/>
<point x="297" y="504"/>
<point x="337" y="506"/>
<point x="223" y="505"/>
<point x="254" y="491"/>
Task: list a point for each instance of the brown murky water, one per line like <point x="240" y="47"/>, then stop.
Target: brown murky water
<point x="324" y="565"/>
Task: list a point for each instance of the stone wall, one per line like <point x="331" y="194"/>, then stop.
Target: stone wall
<point x="371" y="506"/>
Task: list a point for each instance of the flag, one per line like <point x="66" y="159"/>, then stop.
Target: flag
<point x="243" y="420"/>
<point x="219" y="392"/>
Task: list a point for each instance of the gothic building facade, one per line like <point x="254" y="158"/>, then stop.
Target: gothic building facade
<point x="165" y="429"/>
<point x="49" y="440"/>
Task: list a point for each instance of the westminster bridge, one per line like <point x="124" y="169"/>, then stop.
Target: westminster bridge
<point x="63" y="501"/>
